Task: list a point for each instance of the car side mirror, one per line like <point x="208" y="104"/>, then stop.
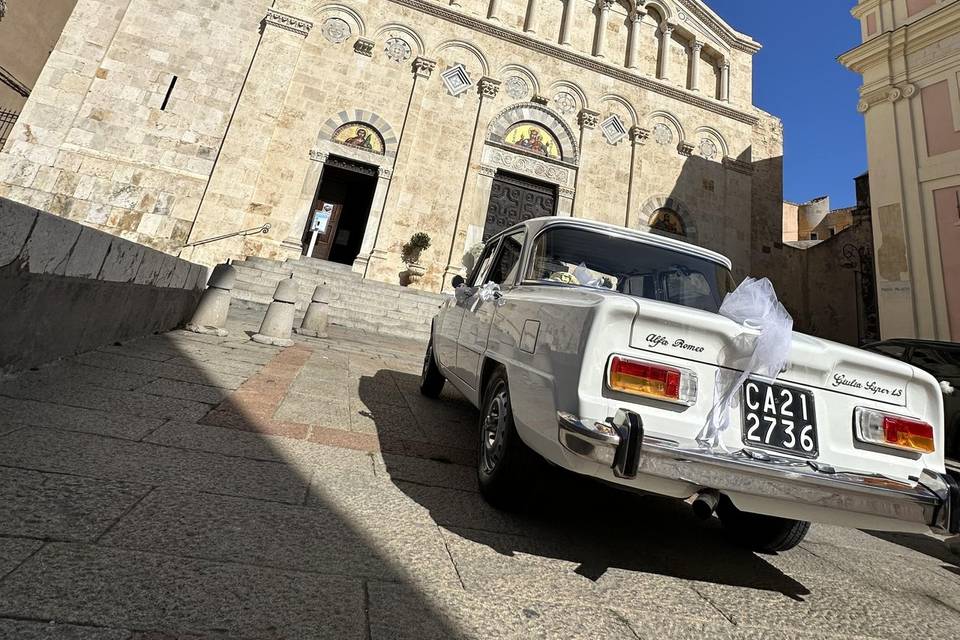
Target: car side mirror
<point x="457" y="281"/>
<point x="947" y="388"/>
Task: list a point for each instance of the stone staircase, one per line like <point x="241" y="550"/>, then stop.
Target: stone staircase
<point x="367" y="305"/>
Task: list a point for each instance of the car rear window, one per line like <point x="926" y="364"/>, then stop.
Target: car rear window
<point x="940" y="362"/>
<point x="586" y="258"/>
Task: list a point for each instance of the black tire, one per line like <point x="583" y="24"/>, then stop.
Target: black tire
<point x="431" y="380"/>
<point x="766" y="534"/>
<point x="504" y="462"/>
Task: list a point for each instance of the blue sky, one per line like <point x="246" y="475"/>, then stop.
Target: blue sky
<point x="797" y="78"/>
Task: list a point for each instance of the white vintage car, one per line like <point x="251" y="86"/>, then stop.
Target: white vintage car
<point x="599" y="351"/>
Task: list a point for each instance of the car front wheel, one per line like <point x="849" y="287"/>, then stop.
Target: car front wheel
<point x="431" y="380"/>
<point x="766" y="534"/>
<point x="503" y="460"/>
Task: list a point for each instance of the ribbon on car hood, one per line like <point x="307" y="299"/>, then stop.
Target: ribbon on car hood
<point x="753" y="305"/>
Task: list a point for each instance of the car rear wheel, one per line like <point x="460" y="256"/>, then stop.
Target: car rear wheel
<point x="503" y="460"/>
<point x="766" y="534"/>
<point x="431" y="380"/>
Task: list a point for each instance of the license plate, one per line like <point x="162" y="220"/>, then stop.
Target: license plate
<point x="779" y="417"/>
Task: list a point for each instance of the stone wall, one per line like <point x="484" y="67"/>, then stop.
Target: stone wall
<point x="66" y="288"/>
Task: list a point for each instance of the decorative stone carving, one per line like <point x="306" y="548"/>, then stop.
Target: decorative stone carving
<point x="488" y="171"/>
<point x="662" y="134"/>
<point x="335" y="30"/>
<point x="708" y="148"/>
<point x="613" y="129"/>
<point x="863" y="106"/>
<point x="385" y="172"/>
<point x="296" y="25"/>
<point x="909" y="90"/>
<point x="364" y="47"/>
<point x="488" y="87"/>
<point x="517" y="87"/>
<point x="894" y="94"/>
<point x="318" y="156"/>
<point x="565" y="103"/>
<point x="456" y="79"/>
<point x="566" y="192"/>
<point x="639" y="135"/>
<point x="685" y="149"/>
<point x="397" y="49"/>
<point x="589" y="119"/>
<point x="530" y="166"/>
<point x="540" y="100"/>
<point x="423" y="67"/>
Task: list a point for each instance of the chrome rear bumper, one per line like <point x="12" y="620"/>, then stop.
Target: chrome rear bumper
<point x="933" y="501"/>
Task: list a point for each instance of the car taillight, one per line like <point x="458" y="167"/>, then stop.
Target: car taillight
<point x="652" y="380"/>
<point x="898" y="432"/>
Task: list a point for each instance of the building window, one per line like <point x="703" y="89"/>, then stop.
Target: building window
<point x="667" y="221"/>
<point x="813" y="236"/>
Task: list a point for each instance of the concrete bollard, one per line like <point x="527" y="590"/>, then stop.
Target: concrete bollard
<point x="315" y="321"/>
<point x="211" y="314"/>
<point x="278" y="322"/>
<point x="953" y="544"/>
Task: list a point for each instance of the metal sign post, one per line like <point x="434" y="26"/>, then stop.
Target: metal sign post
<point x="319" y="225"/>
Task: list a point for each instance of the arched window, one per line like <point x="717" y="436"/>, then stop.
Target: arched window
<point x="667" y="221"/>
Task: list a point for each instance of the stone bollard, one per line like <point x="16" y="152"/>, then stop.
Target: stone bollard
<point x="211" y="314"/>
<point x="953" y="544"/>
<point x="315" y="321"/>
<point x="278" y="322"/>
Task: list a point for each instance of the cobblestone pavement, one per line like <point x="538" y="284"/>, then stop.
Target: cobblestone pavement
<point x="185" y="486"/>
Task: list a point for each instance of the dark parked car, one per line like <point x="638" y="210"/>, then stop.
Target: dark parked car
<point x="942" y="361"/>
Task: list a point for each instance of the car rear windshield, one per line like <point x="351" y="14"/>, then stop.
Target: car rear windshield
<point x="586" y="258"/>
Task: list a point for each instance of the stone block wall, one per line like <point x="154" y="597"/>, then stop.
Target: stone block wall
<point x="67" y="288"/>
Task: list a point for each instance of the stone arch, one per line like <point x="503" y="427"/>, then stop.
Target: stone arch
<point x="709" y="133"/>
<point x="545" y="117"/>
<point x="460" y="44"/>
<point x="665" y="117"/>
<point x="564" y="107"/>
<point x="327" y="9"/>
<point x="391" y="28"/>
<point x="657" y="203"/>
<point x="662" y="8"/>
<point x="524" y="72"/>
<point x="623" y="102"/>
<point x="367" y="117"/>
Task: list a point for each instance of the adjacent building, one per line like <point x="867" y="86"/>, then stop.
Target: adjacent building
<point x="814" y="221"/>
<point x="172" y="121"/>
<point x="910" y="98"/>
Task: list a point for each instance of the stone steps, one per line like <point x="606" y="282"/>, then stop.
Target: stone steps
<point x="375" y="307"/>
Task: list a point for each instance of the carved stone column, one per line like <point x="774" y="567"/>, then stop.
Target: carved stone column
<point x="568" y="19"/>
<point x="474" y="179"/>
<point x="588" y="120"/>
<point x="493" y="10"/>
<point x="725" y="81"/>
<point x="308" y="193"/>
<point x="638" y="138"/>
<point x="256" y="120"/>
<point x="373" y="220"/>
<point x="600" y="38"/>
<point x="695" y="48"/>
<point x="636" y="20"/>
<point x="666" y="31"/>
<point x="422" y="70"/>
<point x="532" y="21"/>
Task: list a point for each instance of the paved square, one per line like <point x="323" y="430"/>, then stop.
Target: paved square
<point x="186" y="486"/>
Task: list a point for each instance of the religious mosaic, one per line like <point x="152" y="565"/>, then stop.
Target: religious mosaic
<point x="335" y="30"/>
<point x="669" y="222"/>
<point x="533" y="138"/>
<point x="359" y="136"/>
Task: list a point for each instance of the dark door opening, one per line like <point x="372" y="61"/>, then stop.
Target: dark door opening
<point x="340" y="210"/>
<point x="516" y="198"/>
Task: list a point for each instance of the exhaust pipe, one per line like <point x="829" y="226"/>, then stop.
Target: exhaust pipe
<point x="706" y="503"/>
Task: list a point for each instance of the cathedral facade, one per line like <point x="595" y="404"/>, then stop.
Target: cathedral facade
<point x="347" y="126"/>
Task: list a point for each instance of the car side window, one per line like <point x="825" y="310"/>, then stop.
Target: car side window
<point x="483" y="264"/>
<point x="941" y="363"/>
<point x="893" y="350"/>
<point x="507" y="264"/>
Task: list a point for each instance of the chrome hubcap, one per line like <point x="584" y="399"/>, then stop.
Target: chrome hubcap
<point x="493" y="430"/>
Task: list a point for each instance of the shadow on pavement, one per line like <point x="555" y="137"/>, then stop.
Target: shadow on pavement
<point x="926" y="545"/>
<point x="575" y="519"/>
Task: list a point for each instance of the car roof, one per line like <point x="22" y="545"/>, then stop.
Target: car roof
<point x="914" y="342"/>
<point x="535" y="225"/>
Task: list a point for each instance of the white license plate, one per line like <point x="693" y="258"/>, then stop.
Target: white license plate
<point x="780" y="418"/>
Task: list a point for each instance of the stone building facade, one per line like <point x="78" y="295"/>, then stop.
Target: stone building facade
<point x="910" y="98"/>
<point x="172" y="121"/>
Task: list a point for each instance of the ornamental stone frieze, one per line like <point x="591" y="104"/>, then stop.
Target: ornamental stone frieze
<point x="639" y="135"/>
<point x="488" y="87"/>
<point x="887" y="94"/>
<point x="685" y="149"/>
<point x="318" y="156"/>
<point x="364" y="47"/>
<point x="588" y="119"/>
<point x="423" y="67"/>
<point x="529" y="166"/>
<point x="287" y="22"/>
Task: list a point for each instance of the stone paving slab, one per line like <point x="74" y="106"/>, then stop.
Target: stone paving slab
<point x="112" y="459"/>
<point x="14" y="551"/>
<point x="26" y="630"/>
<point x="57" y="507"/>
<point x="185" y="390"/>
<point x="18" y="413"/>
<point x="195" y="372"/>
<point x="82" y="584"/>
